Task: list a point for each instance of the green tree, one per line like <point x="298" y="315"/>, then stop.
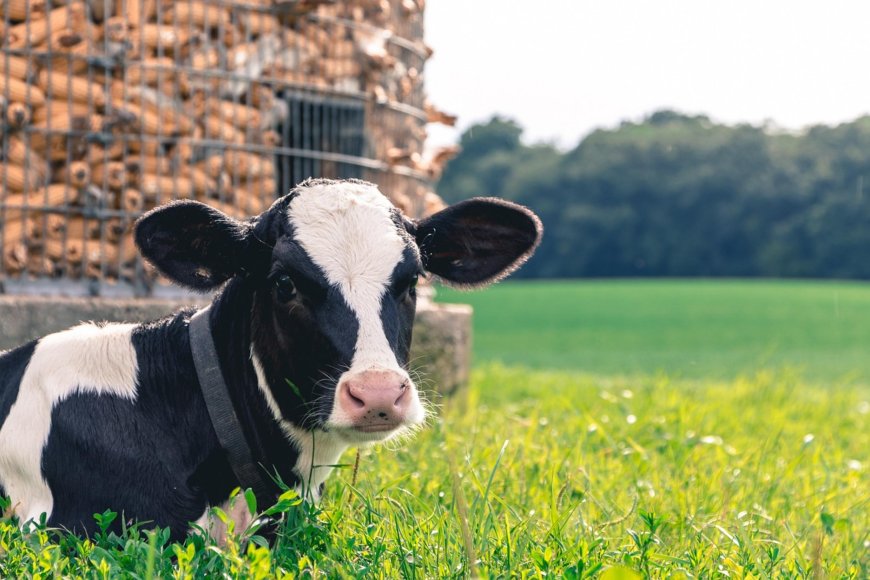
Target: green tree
<point x="679" y="195"/>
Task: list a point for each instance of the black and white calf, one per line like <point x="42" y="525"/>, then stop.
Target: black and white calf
<point x="311" y="329"/>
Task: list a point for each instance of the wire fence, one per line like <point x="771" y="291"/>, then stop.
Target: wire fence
<point x="112" y="107"/>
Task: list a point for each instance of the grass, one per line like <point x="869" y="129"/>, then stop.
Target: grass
<point x="718" y="429"/>
<point x="693" y="329"/>
<point x="534" y="474"/>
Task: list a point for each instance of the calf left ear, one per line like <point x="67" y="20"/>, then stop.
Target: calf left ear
<point x="193" y="244"/>
<point x="477" y="241"/>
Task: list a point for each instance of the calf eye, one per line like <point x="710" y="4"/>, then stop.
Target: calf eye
<point x="285" y="287"/>
<point x="412" y="285"/>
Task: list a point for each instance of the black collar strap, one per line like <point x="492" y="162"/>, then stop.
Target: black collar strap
<point x="220" y="409"/>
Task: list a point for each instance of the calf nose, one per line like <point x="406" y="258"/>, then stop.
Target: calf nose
<point x="375" y="400"/>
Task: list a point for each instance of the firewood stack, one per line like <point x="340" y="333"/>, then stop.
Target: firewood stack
<point x="111" y="107"/>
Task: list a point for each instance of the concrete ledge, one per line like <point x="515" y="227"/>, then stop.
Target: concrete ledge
<point x="440" y="352"/>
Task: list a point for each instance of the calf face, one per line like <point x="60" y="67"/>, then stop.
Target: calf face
<point x="333" y="268"/>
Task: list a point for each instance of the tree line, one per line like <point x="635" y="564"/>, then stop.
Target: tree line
<point x="680" y="195"/>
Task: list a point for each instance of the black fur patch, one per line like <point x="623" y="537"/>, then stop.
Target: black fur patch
<point x="399" y="305"/>
<point x="12" y="367"/>
<point x="233" y="327"/>
<point x="478" y="241"/>
<point x="317" y="326"/>
<point x="193" y="244"/>
<point x="138" y="458"/>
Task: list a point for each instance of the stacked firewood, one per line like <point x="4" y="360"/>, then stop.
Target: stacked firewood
<point x="111" y="107"/>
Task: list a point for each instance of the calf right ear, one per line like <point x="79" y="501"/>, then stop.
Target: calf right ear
<point x="193" y="244"/>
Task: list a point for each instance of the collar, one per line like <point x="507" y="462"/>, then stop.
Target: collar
<point x="220" y="407"/>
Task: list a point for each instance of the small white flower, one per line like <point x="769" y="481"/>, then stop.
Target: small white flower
<point x="607" y="396"/>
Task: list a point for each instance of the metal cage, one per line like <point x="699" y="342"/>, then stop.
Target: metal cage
<point x="112" y="107"/>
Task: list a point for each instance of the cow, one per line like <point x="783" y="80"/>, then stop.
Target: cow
<point x="302" y="353"/>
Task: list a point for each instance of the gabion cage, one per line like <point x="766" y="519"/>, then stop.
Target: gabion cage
<point x="112" y="107"/>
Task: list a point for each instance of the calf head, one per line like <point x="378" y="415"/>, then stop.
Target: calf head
<point x="331" y="270"/>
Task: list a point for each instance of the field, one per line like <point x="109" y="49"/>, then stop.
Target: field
<point x="694" y="329"/>
<point x="717" y="463"/>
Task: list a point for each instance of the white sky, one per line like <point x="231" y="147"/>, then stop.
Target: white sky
<point x="564" y="67"/>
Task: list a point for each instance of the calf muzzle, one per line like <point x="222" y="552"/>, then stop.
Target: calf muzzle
<point x="375" y="400"/>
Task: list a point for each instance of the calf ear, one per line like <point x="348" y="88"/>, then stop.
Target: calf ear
<point x="477" y="241"/>
<point x="193" y="244"/>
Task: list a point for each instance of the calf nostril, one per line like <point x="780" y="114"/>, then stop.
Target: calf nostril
<point x="357" y="402"/>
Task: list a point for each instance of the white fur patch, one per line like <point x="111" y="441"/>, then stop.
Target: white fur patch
<point x="236" y="510"/>
<point x="319" y="451"/>
<point x="84" y="359"/>
<point x="348" y="231"/>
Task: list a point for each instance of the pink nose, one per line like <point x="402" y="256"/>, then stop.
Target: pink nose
<point x="375" y="400"/>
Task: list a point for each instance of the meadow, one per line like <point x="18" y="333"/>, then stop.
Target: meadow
<point x="691" y="329"/>
<point x="707" y="465"/>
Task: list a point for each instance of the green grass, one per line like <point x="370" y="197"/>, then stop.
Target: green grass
<point x="535" y="474"/>
<point x="696" y="329"/>
<point x="717" y="429"/>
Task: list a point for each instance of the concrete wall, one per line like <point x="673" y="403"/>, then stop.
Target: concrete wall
<point x="440" y="352"/>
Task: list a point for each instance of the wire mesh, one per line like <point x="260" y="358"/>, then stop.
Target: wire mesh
<point x="112" y="107"/>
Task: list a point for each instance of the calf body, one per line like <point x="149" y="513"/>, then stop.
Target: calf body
<point x="106" y="416"/>
<point x="311" y="328"/>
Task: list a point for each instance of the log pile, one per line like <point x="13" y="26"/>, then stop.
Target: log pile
<point x="109" y="108"/>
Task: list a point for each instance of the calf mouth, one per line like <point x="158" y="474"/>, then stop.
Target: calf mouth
<point x="377" y="427"/>
<point x="370" y="433"/>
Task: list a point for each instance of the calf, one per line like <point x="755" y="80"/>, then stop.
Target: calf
<point x="302" y="353"/>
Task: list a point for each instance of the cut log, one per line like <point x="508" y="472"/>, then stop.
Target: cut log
<point x="22" y="9"/>
<point x="34" y="32"/>
<point x="137" y="11"/>
<point x="54" y="195"/>
<point x="18" y="91"/>
<point x="16" y="67"/>
<point x="58" y="85"/>
<point x="17" y="178"/>
<point x="198" y="14"/>
<point x="110" y="175"/>
<point x="162" y="188"/>
<point x="18" y="153"/>
<point x="132" y="201"/>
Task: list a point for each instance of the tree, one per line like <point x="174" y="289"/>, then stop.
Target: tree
<point x="678" y="195"/>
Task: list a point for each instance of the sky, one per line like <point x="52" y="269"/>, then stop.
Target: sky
<point x="563" y="68"/>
